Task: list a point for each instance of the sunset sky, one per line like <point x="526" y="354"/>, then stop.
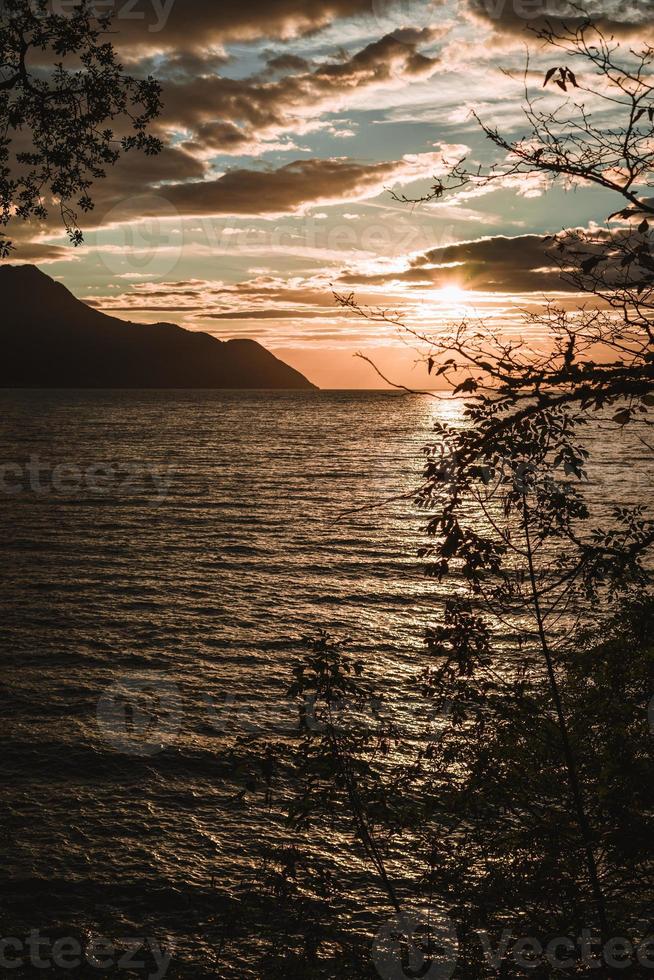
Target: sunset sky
<point x="286" y="122"/>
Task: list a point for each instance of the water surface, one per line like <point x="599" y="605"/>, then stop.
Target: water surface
<point x="193" y="539"/>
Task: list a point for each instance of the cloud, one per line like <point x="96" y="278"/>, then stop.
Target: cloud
<point x="274" y="314"/>
<point x="206" y="113"/>
<point x="499" y="264"/>
<point x="132" y="176"/>
<point x="263" y="298"/>
<point x="287" y="63"/>
<point x="619" y="17"/>
<point x="233" y="115"/>
<point x="35" y="251"/>
<point x="293" y="188"/>
<point x="189" y="24"/>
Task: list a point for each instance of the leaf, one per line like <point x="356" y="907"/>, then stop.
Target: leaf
<point x="571" y="469"/>
<point x="468" y="386"/>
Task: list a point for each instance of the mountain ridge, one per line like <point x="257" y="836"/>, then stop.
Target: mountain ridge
<point x="51" y="339"/>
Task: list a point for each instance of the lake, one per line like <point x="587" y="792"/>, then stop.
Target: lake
<point x="183" y="543"/>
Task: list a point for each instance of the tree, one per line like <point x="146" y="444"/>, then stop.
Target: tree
<point x="600" y="355"/>
<point x="516" y="866"/>
<point x="532" y="402"/>
<point x="67" y="111"/>
<point x="512" y="531"/>
<point x="525" y="809"/>
<point x="601" y="133"/>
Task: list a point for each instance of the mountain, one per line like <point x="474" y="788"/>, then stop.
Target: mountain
<point x="50" y="339"/>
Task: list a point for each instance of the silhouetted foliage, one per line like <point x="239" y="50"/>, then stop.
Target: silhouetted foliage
<point x="474" y="806"/>
<point x="67" y="111"/>
<point x="517" y="860"/>
<point x="601" y="134"/>
<point x="534" y="820"/>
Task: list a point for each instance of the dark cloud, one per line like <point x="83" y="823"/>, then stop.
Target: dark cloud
<point x="132" y="184"/>
<point x="107" y="307"/>
<point x="286" y="190"/>
<point x="129" y="191"/>
<point x="225" y="114"/>
<point x="503" y="265"/>
<point x="273" y="292"/>
<point x="222" y="137"/>
<point x="274" y="315"/>
<point x="229" y="315"/>
<point x="288" y="63"/>
<point x="264" y="298"/>
<point x="30" y="251"/>
<point x="136" y="171"/>
<point x="199" y="23"/>
<point x="618" y="17"/>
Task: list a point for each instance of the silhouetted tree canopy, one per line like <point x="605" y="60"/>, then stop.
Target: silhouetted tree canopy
<point x="67" y="111"/>
<point x="524" y="822"/>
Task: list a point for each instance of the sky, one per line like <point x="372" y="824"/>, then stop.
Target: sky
<point x="287" y="125"/>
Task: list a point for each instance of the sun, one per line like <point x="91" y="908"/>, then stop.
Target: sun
<point x="452" y="295"/>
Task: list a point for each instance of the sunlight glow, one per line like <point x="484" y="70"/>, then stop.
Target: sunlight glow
<point x="452" y="295"/>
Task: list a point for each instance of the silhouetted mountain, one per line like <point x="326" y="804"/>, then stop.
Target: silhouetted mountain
<point x="50" y="339"/>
